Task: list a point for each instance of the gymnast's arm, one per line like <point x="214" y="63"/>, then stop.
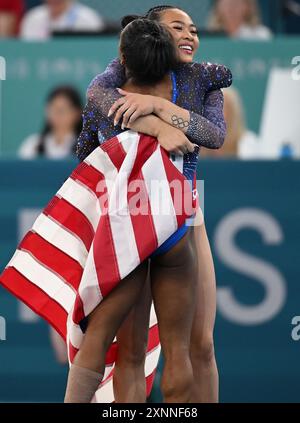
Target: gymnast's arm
<point x="209" y="128"/>
<point x="88" y="137"/>
<point x="206" y="130"/>
<point x="170" y="138"/>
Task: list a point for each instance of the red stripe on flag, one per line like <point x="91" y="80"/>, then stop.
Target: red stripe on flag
<point x="149" y="382"/>
<point x="70" y="218"/>
<point x="35" y="298"/>
<point x="78" y="312"/>
<point x="89" y="176"/>
<point x="94" y="180"/>
<point x="153" y="339"/>
<point x="138" y="200"/>
<point x="105" y="260"/>
<point x="53" y="258"/>
<point x="111" y="354"/>
<point x="115" y="151"/>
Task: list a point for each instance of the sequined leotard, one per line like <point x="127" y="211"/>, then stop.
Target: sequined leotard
<point x="196" y="87"/>
<point x="198" y="90"/>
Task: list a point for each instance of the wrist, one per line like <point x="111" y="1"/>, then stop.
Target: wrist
<point x="161" y="127"/>
<point x="158" y="105"/>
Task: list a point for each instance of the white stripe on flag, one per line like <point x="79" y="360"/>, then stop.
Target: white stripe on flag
<point x="62" y="239"/>
<point x="42" y="277"/>
<point x="127" y="138"/>
<point x="101" y="161"/>
<point x="75" y="334"/>
<point x="153" y="318"/>
<point x="163" y="212"/>
<point x="70" y="323"/>
<point x="107" y="371"/>
<point x="120" y="220"/>
<point x="152" y="360"/>
<point x="82" y="199"/>
<point x="177" y="161"/>
<point x="105" y="394"/>
<point x="89" y="289"/>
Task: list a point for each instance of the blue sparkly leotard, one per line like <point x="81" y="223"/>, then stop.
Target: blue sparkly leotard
<point x="196" y="87"/>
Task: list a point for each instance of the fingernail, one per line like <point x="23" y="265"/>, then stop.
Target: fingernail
<point x="109" y="113"/>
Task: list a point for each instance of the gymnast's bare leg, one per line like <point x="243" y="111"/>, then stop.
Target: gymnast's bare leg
<point x="129" y="380"/>
<point x="206" y="378"/>
<point x="87" y="369"/>
<point x="173" y="280"/>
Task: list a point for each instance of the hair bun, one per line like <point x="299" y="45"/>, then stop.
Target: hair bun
<point x="149" y="51"/>
<point x="128" y="19"/>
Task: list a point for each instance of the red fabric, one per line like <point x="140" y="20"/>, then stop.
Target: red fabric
<point x="76" y="252"/>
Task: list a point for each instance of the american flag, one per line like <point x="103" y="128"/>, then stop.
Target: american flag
<point x="87" y="239"/>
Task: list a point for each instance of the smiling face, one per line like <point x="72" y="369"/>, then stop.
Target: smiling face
<point x="184" y="33"/>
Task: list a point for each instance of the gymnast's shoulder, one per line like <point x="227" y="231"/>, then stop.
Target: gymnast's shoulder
<point x="215" y="76"/>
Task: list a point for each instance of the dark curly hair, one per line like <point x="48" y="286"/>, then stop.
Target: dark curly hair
<point x="149" y="51"/>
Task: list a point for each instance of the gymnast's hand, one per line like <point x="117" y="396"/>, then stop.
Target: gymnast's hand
<point x="130" y="107"/>
<point x="173" y="140"/>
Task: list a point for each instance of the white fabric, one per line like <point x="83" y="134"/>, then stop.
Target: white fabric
<point x="52" y="149"/>
<point x="38" y="24"/>
<point x="73" y="192"/>
<point x="255" y="33"/>
<point x="120" y="217"/>
<point x="51" y="280"/>
<point x="62" y="239"/>
<point x="280" y="124"/>
<point x="249" y="146"/>
<point x="45" y="279"/>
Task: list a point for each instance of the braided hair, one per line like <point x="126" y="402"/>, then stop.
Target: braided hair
<point x="153" y="14"/>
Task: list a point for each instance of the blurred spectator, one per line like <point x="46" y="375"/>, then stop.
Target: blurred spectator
<point x="11" y="12"/>
<point x="240" y="142"/>
<point x="61" y="129"/>
<point x="238" y="19"/>
<point x="59" y="15"/>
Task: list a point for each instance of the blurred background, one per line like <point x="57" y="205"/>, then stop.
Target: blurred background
<point x="49" y="52"/>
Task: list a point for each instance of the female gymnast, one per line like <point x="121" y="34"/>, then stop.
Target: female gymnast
<point x="199" y="105"/>
<point x="172" y="263"/>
